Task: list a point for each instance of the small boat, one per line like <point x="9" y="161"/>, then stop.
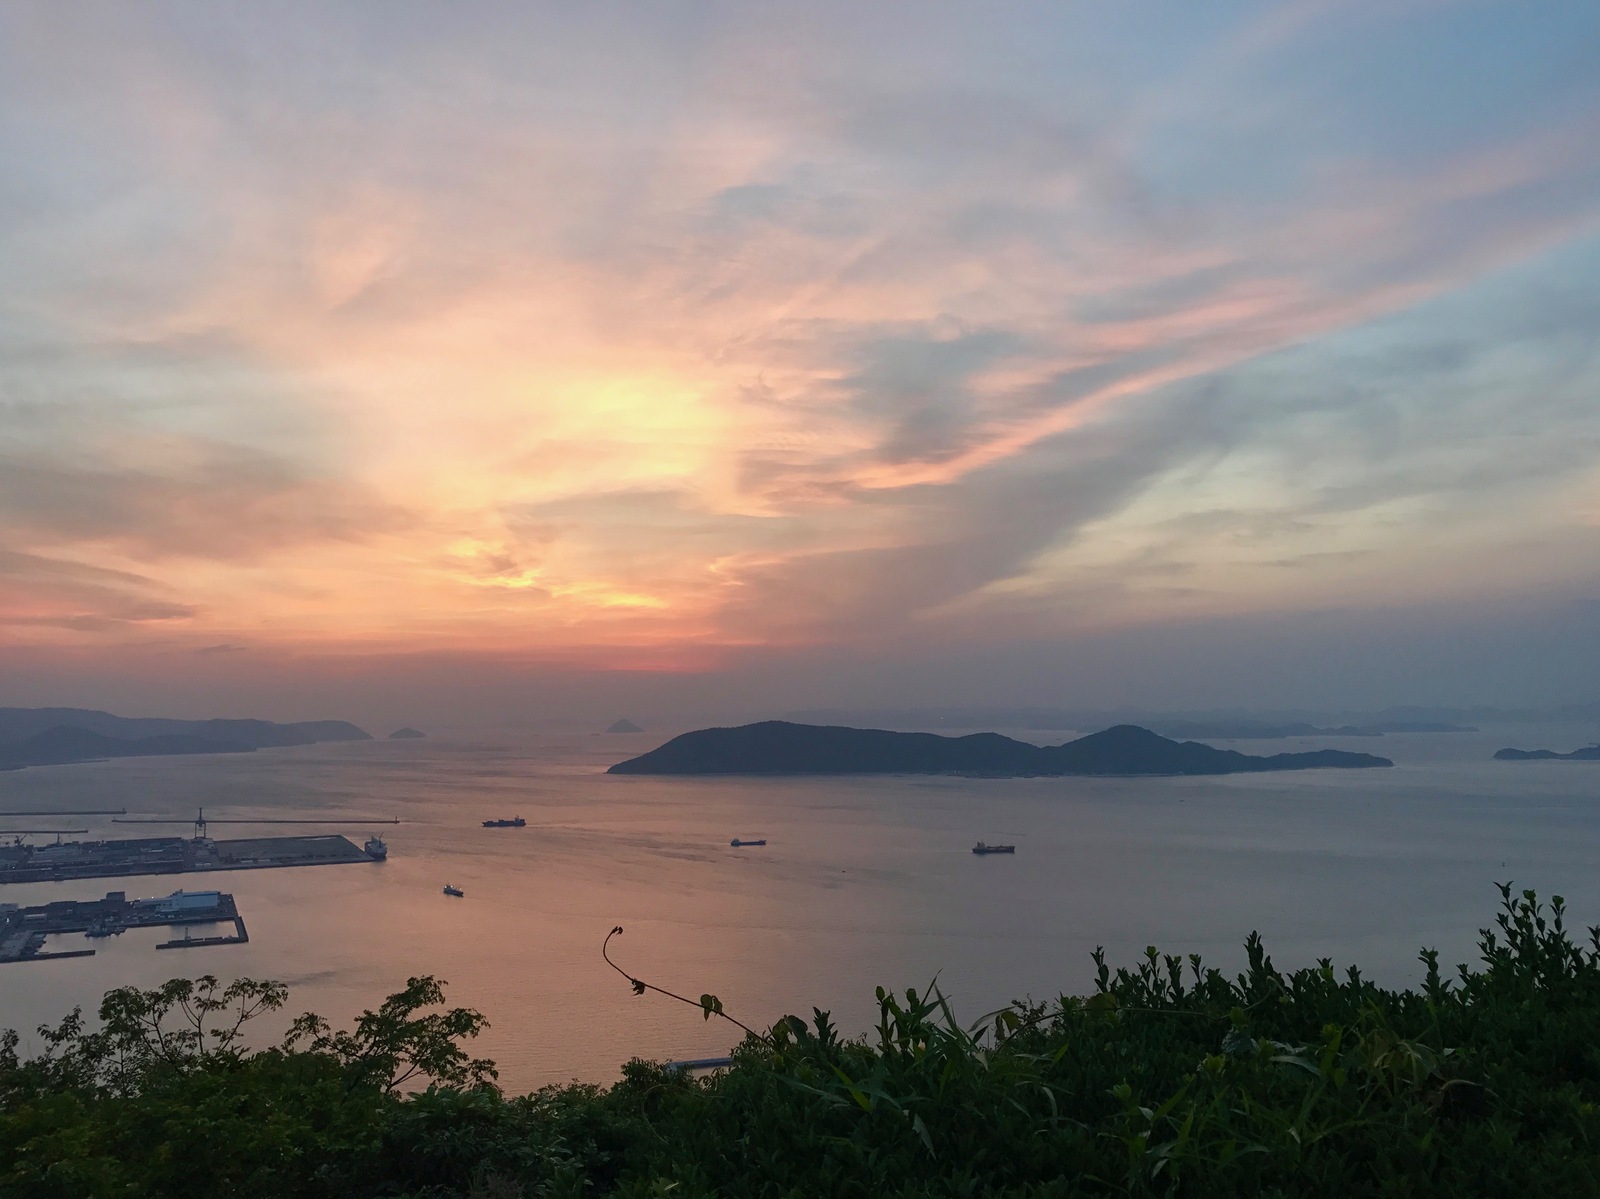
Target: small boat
<point x="375" y="848"/>
<point x="514" y="822"/>
<point x="980" y="847"/>
<point x="736" y="843"/>
<point x="456" y="891"/>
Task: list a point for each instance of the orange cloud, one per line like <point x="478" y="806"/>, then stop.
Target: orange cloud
<point x="498" y="374"/>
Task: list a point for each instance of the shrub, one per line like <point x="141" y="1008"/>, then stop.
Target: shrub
<point x="1170" y="1079"/>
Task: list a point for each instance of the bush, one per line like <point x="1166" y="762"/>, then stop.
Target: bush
<point x="1170" y="1079"/>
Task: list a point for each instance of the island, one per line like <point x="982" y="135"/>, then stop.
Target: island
<point x="1250" y="730"/>
<point x="406" y="734"/>
<point x="777" y="747"/>
<point x="62" y="736"/>
<point x="1589" y="753"/>
<point x="1243" y="730"/>
<point x="624" y="726"/>
<point x="1195" y="726"/>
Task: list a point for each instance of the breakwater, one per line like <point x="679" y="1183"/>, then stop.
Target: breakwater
<point x="169" y="855"/>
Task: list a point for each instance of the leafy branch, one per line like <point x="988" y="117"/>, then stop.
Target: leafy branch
<point x="389" y="1047"/>
<point x="709" y="1005"/>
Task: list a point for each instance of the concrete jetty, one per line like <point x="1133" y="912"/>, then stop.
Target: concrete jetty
<point x="169" y="855"/>
<point x="23" y="930"/>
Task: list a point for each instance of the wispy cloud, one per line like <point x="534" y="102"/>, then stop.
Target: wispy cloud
<point x="545" y="334"/>
<point x="40" y="592"/>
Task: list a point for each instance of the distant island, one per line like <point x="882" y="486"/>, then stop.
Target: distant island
<point x="1206" y="726"/>
<point x="624" y="726"/>
<point x="406" y="734"/>
<point x="777" y="747"/>
<point x="1588" y="754"/>
<point x="1247" y="730"/>
<point x="60" y="736"/>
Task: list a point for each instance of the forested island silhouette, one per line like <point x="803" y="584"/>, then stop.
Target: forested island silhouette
<point x="778" y="747"/>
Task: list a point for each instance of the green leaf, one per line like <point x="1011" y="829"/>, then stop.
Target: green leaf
<point x="1294" y="1059"/>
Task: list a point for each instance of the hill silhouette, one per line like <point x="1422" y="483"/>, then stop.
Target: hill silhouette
<point x="60" y="736"/>
<point x="1588" y="754"/>
<point x="777" y="747"/>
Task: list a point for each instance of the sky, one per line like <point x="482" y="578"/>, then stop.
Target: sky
<point x="424" y="361"/>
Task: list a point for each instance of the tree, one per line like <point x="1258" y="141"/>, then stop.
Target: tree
<point x="393" y="1045"/>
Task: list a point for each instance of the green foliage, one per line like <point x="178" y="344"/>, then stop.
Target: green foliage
<point x="161" y="1097"/>
<point x="389" y="1047"/>
<point x="180" y="1023"/>
<point x="1170" y="1079"/>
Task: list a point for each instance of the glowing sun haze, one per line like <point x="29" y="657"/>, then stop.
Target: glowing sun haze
<point x="901" y="342"/>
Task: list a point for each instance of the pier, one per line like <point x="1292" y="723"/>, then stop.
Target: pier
<point x="169" y="855"/>
<point x="240" y="937"/>
<point x="23" y="930"/>
<point x="40" y="832"/>
<point x="68" y="812"/>
<point x="689" y="1065"/>
<point x="203" y="820"/>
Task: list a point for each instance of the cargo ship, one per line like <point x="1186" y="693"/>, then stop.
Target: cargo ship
<point x="514" y="822"/>
<point x="456" y="891"/>
<point x="375" y="848"/>
<point x="980" y="847"/>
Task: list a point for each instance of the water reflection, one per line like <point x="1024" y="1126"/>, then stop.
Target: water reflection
<point x="862" y="882"/>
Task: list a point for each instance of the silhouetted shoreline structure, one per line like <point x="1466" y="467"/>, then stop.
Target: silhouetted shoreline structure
<point x="23" y="930"/>
<point x="777" y="747"/>
<point x="170" y="855"/>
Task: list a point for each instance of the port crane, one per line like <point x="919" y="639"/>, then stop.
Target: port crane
<point x="201" y="824"/>
<point x="17" y="834"/>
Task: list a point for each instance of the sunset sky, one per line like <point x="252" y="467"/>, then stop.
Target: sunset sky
<point x="377" y="359"/>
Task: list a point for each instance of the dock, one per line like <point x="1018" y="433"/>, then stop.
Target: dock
<point x="689" y="1065"/>
<point x="241" y="936"/>
<point x="169" y="855"/>
<point x="13" y="814"/>
<point x="23" y="930"/>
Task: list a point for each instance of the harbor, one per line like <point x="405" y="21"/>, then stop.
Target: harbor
<point x="25" y="930"/>
<point x="67" y="860"/>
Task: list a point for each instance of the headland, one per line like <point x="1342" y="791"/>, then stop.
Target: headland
<point x="61" y="736"/>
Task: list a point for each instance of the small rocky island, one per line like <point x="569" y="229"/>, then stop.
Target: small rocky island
<point x="624" y="726"/>
<point x="777" y="747"/>
<point x="407" y="734"/>
<point x="1589" y="753"/>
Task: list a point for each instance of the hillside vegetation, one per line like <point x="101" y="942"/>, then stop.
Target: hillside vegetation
<point x="1170" y="1079"/>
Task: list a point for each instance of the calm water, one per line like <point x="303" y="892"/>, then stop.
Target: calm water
<point x="863" y="881"/>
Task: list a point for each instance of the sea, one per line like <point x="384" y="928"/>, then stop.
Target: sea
<point x="863" y="882"/>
